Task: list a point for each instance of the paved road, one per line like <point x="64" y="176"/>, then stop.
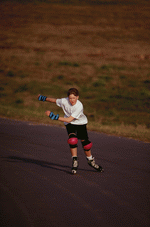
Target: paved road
<point x="37" y="188"/>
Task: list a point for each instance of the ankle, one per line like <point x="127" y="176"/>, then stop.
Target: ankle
<point x="74" y="157"/>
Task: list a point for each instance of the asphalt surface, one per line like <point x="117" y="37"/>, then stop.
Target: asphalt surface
<point x="38" y="189"/>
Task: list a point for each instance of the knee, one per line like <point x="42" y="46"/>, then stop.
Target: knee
<point x="87" y="145"/>
<point x="73" y="140"/>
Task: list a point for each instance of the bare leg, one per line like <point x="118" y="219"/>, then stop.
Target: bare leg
<point x="73" y="151"/>
<point x="88" y="153"/>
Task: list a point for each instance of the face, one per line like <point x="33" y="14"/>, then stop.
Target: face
<point x="73" y="99"/>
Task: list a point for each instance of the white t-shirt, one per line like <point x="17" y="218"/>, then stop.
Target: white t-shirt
<point x="75" y="111"/>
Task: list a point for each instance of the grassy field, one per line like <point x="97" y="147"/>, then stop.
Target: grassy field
<point x="102" y="48"/>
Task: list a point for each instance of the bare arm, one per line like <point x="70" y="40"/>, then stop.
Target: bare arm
<point x="63" y="119"/>
<point x="66" y="119"/>
<point x="51" y="100"/>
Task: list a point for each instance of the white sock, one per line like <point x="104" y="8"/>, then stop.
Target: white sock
<point x="90" y="157"/>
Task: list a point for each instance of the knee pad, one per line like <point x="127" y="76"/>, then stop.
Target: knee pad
<point x="73" y="140"/>
<point x="87" y="145"/>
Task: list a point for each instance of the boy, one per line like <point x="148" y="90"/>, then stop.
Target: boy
<point x="75" y="122"/>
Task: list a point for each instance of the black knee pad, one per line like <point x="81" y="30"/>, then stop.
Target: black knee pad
<point x="87" y="145"/>
<point x="73" y="140"/>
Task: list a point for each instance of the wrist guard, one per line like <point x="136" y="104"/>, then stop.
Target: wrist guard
<point x="42" y="98"/>
<point x="53" y="116"/>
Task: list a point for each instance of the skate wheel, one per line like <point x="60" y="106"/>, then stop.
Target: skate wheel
<point x="74" y="171"/>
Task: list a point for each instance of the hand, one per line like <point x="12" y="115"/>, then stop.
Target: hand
<point x="48" y="113"/>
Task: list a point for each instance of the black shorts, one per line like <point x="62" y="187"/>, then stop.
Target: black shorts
<point x="79" y="130"/>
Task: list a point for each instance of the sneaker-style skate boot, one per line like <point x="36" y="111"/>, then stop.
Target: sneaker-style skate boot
<point x="74" y="165"/>
<point x="94" y="165"/>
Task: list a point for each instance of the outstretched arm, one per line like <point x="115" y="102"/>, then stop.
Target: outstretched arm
<point x="44" y="98"/>
<point x="56" y="117"/>
<point x="51" y="100"/>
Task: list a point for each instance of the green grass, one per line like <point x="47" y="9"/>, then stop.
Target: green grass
<point x="57" y="47"/>
<point x="110" y="109"/>
<point x="66" y="63"/>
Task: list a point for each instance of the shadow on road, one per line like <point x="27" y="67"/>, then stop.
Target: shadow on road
<point x="45" y="164"/>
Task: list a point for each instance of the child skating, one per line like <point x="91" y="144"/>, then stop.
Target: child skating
<point x="75" y="122"/>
